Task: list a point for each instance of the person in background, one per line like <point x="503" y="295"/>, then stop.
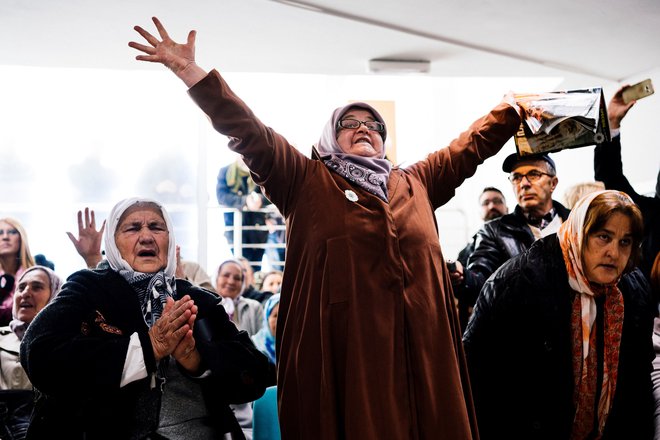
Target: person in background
<point x="577" y="191"/>
<point x="15" y="258"/>
<point x="608" y="168"/>
<point x="272" y="281"/>
<point x="193" y="272"/>
<point x="264" y="340"/>
<point x="559" y="346"/>
<point x="128" y="351"/>
<point x="368" y="337"/>
<point x="493" y="205"/>
<point x="246" y="313"/>
<point x="236" y="189"/>
<point x="251" y="286"/>
<point x="41" y="260"/>
<point x="35" y="288"/>
<point x="276" y="237"/>
<point x="536" y="215"/>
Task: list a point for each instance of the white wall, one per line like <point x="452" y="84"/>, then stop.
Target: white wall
<point x="52" y="119"/>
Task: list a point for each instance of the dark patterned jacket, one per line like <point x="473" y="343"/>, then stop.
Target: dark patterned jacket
<point x="74" y="353"/>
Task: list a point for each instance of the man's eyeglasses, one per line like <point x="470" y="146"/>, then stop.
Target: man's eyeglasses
<point x="354" y="123"/>
<point x="532" y="176"/>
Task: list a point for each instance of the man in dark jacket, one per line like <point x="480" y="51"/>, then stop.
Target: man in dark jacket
<point x="534" y="179"/>
<point x="493" y="205"/>
<point x="608" y="168"/>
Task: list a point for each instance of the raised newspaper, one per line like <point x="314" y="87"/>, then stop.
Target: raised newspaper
<point x="557" y="120"/>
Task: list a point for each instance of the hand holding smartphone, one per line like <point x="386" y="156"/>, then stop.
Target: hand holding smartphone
<point x="637" y="91"/>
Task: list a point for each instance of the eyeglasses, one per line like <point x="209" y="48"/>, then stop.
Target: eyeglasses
<point x="354" y="123"/>
<point x="532" y="176"/>
<point x="8" y="231"/>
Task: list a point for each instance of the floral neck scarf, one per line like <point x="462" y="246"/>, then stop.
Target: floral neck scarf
<point x="370" y="174"/>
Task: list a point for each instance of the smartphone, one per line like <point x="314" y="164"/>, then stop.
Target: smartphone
<point x="638" y="91"/>
<point x="451" y="266"/>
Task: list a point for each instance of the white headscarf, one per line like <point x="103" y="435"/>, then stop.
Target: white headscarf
<point x="115" y="260"/>
<point x="16" y="325"/>
<point x="152" y="288"/>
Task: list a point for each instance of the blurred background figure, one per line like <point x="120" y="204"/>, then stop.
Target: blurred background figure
<point x="493" y="205"/>
<point x="246" y="313"/>
<point x="265" y="338"/>
<point x="272" y="282"/>
<point x="236" y="189"/>
<point x="576" y="192"/>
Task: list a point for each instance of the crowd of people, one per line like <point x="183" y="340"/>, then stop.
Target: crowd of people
<point x="543" y="327"/>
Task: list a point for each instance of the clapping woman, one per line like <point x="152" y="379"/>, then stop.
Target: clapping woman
<point x="128" y="351"/>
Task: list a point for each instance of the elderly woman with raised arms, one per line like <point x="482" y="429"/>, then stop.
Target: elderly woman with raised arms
<point x="368" y="342"/>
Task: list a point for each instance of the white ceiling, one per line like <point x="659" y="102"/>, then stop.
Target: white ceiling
<point x="608" y="39"/>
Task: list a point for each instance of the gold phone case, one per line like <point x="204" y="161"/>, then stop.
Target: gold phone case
<point x="638" y="91"/>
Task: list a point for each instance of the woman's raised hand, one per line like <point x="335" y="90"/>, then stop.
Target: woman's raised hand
<point x="88" y="243"/>
<point x="179" y="58"/>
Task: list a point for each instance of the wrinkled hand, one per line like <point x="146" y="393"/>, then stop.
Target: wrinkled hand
<point x="88" y="243"/>
<point x="185" y="352"/>
<point x="617" y="109"/>
<point x="179" y="58"/>
<point x="172" y="326"/>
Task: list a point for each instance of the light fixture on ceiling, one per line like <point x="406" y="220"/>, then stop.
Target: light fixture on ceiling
<point x="387" y="65"/>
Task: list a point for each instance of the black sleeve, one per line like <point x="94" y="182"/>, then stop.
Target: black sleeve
<point x="80" y="341"/>
<point x="239" y="371"/>
<point x="608" y="167"/>
<point x="486" y="259"/>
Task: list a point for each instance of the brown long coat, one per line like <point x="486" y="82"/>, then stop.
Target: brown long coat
<point x="369" y="341"/>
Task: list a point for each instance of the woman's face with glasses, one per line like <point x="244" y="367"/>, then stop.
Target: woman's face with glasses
<point x="10" y="239"/>
<point x="360" y="141"/>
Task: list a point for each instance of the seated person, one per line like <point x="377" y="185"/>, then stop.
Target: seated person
<point x="272" y="281"/>
<point x="265" y="338"/>
<point x="128" y="351"/>
<point x="36" y="287"/>
<point x="246" y="313"/>
<point x="15" y="258"/>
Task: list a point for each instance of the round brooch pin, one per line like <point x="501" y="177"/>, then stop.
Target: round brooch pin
<point x="350" y="195"/>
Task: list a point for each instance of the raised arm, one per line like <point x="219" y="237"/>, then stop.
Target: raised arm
<point x="179" y="58"/>
<point x="88" y="243"/>
<point x="608" y="167"/>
